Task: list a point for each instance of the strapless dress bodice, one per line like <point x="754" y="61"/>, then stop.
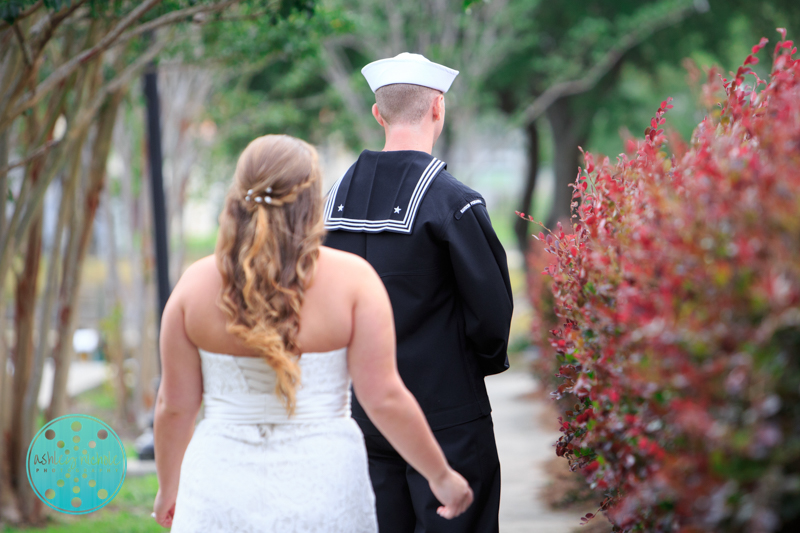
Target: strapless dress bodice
<point x="241" y="390"/>
<point x="251" y="468"/>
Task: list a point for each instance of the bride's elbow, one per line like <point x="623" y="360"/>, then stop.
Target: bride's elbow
<point x="177" y="407"/>
<point x="382" y="401"/>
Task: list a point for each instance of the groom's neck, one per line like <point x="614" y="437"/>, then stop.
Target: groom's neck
<point x="419" y="137"/>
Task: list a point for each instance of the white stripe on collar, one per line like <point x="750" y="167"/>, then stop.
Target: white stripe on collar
<point x="374" y="226"/>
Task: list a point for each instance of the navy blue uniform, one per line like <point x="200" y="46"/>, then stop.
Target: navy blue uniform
<point x="430" y="239"/>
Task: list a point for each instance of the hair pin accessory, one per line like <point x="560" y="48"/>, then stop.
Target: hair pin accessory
<point x="264" y="198"/>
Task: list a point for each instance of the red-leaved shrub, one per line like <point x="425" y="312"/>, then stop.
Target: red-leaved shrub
<point x="678" y="294"/>
<point x="543" y="318"/>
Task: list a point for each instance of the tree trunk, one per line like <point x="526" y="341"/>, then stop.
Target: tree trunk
<point x="148" y="352"/>
<point x="25" y="372"/>
<point x="3" y="346"/>
<point x="521" y="226"/>
<point x="62" y="351"/>
<point x="570" y="130"/>
<point x="23" y="417"/>
<point x="70" y="286"/>
<point x="66" y="214"/>
<point x="68" y="186"/>
<point x="133" y="293"/>
<point x="115" y="318"/>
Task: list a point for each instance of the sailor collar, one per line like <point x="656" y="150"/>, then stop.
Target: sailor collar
<point x="382" y="191"/>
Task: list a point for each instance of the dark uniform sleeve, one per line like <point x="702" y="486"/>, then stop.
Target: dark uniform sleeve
<point x="481" y="273"/>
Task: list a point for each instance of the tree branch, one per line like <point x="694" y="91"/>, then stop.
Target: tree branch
<point x="596" y="73"/>
<point x="112" y="38"/>
<point x="120" y="81"/>
<point x="70" y="66"/>
<point x="175" y="16"/>
<point x="50" y="24"/>
<point x="30" y="157"/>
<point x="25" y="14"/>
<point x="26" y="54"/>
<point x="238" y="18"/>
<point x="82" y="121"/>
<point x="336" y="74"/>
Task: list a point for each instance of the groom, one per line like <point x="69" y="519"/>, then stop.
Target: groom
<point x="430" y="239"/>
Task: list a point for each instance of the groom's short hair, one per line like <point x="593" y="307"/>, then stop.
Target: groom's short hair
<point x="404" y="103"/>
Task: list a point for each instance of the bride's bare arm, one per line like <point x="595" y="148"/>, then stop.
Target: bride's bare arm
<point x="178" y="403"/>
<point x="386" y="400"/>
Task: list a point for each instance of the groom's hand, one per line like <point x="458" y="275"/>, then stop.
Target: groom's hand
<point x="164" y="509"/>
<point x="454" y="493"/>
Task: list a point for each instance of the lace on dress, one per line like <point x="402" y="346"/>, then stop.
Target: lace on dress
<point x="250" y="467"/>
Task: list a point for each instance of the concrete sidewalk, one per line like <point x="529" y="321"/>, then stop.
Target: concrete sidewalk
<point x="524" y="447"/>
<point x="83" y="375"/>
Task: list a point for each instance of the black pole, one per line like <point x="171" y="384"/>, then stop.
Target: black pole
<point x="145" y="445"/>
<point x="157" y="186"/>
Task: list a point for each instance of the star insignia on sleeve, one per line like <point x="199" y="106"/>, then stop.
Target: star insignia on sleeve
<point x="397" y="209"/>
<point x="341" y="207"/>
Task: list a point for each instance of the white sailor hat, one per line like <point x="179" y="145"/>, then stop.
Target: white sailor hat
<point x="409" y="68"/>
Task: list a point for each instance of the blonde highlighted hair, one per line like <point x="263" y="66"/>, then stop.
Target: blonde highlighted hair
<point x="267" y="250"/>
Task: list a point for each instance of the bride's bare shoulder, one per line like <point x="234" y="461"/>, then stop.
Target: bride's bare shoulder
<point x="338" y="270"/>
<point x="203" y="273"/>
<point x="343" y="263"/>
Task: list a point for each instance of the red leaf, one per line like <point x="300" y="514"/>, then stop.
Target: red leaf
<point x="763" y="42"/>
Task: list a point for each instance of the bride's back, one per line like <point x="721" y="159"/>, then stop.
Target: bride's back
<point x="271" y="290"/>
<point x="326" y="318"/>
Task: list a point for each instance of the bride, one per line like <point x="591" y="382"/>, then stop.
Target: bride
<point x="267" y="333"/>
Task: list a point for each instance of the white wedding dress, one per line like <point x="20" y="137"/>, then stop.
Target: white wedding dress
<point x="251" y="468"/>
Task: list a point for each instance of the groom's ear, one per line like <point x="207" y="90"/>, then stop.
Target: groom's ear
<point x="437" y="107"/>
<point x="377" y="114"/>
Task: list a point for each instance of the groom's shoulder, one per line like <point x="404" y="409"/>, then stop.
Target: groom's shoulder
<point x="448" y="192"/>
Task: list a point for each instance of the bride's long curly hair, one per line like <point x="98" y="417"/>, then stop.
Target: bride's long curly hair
<point x="267" y="249"/>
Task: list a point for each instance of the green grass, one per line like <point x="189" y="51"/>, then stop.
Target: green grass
<point x="129" y="512"/>
<point x="130" y="450"/>
<point x="101" y="398"/>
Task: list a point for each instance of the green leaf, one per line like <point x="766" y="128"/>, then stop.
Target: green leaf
<point x="10" y="10"/>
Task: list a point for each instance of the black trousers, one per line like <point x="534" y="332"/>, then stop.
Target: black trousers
<point x="404" y="501"/>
